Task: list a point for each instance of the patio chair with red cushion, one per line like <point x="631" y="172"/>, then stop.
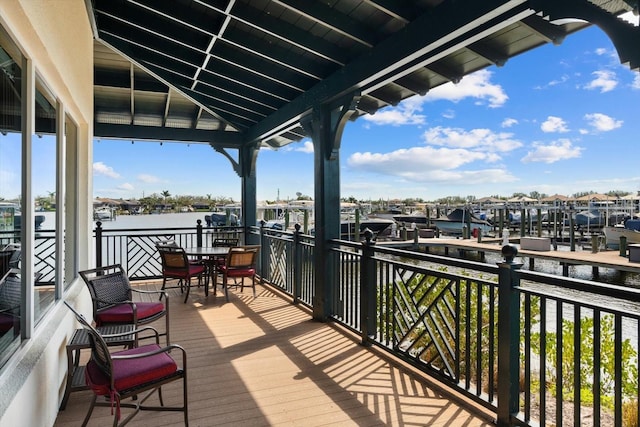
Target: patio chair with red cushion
<point x="111" y="294"/>
<point x="130" y="373"/>
<point x="176" y="265"/>
<point x="239" y="264"/>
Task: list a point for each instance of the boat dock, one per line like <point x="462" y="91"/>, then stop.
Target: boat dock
<point x="601" y="259"/>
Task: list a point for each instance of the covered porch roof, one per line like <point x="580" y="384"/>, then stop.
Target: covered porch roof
<point x="236" y="72"/>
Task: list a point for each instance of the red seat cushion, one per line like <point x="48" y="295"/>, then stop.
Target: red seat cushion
<point x="238" y="272"/>
<point x="132" y="372"/>
<point x="122" y="313"/>
<point x="194" y="270"/>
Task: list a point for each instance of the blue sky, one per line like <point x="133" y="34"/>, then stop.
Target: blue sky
<point x="559" y="119"/>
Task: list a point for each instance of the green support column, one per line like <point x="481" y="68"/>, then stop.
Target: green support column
<point x="248" y="157"/>
<point x="325" y="126"/>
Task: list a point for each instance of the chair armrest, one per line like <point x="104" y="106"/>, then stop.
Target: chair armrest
<point x="136" y="332"/>
<point x="143" y="291"/>
<point x="166" y="349"/>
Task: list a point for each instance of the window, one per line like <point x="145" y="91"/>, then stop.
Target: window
<point x="10" y="187"/>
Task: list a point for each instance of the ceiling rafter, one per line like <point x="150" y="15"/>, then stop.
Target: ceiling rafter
<point x="288" y="34"/>
<point x="329" y="18"/>
<point x="397" y="9"/>
<point x="167" y="106"/>
<point x="549" y="31"/>
<point x="487" y="52"/>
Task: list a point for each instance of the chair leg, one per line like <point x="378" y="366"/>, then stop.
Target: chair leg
<point x="188" y="286"/>
<point x="225" y="286"/>
<point x="93" y="404"/>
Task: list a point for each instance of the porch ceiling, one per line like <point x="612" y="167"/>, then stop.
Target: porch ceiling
<point x="232" y="72"/>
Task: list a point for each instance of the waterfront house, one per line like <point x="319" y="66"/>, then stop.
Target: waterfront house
<point x="236" y="75"/>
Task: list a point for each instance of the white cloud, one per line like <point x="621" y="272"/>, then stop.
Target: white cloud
<point x="605" y="81"/>
<point x="480" y="139"/>
<point x="430" y="164"/>
<point x="602" y="123"/>
<point x="406" y="113"/>
<point x="149" y="179"/>
<point x="126" y="187"/>
<point x="554" y="124"/>
<point x="560" y="150"/>
<point x="449" y="114"/>
<point x="476" y="85"/>
<point x="636" y="82"/>
<point x="630" y="18"/>
<point x="99" y="168"/>
<point x="307" y="147"/>
<point x="508" y="122"/>
<point x="601" y="51"/>
<point x="563" y="79"/>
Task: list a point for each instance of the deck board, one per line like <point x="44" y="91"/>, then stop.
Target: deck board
<point x="265" y="362"/>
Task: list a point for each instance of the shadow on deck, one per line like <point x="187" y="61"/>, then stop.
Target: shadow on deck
<point x="264" y="362"/>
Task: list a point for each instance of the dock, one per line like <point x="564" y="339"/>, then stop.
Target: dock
<point x="601" y="259"/>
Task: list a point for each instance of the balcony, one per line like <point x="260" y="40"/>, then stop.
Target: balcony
<point x="263" y="361"/>
<point x="408" y="337"/>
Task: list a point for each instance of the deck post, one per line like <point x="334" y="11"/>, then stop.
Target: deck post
<point x="297" y="261"/>
<point x="367" y="288"/>
<point x="99" y="244"/>
<point x="199" y="233"/>
<point x="508" y="337"/>
<point x="325" y="125"/>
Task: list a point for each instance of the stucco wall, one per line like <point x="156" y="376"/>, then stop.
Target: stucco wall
<point x="56" y="35"/>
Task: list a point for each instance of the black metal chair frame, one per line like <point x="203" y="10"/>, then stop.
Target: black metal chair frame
<point x="181" y="271"/>
<point x="233" y="264"/>
<point x="109" y="284"/>
<point x="103" y="359"/>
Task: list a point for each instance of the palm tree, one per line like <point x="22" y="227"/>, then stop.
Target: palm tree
<point x="166" y="195"/>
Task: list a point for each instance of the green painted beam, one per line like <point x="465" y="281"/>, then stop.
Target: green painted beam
<point x="450" y="26"/>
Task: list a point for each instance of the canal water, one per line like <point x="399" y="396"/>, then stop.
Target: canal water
<point x="189" y="219"/>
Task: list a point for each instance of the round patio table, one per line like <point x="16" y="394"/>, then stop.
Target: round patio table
<point x="208" y="256"/>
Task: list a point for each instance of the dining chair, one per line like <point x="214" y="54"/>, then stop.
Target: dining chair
<point x="129" y="373"/>
<point x="111" y="296"/>
<point x="226" y="242"/>
<point x="10" y="293"/>
<point x="177" y="266"/>
<point x="240" y="263"/>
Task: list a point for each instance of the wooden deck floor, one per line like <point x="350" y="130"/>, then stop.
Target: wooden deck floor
<point x="265" y="362"/>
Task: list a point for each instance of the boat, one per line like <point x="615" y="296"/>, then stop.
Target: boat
<point x="457" y="219"/>
<point x="219" y="219"/>
<point x="103" y="214"/>
<point x="376" y="225"/>
<point x="596" y="218"/>
<point x="630" y="230"/>
<point x="416" y="217"/>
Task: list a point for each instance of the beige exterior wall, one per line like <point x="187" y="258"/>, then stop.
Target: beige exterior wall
<point x="56" y="35"/>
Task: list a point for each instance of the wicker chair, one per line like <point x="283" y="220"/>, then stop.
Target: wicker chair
<point x="111" y="294"/>
<point x="176" y="265"/>
<point x="130" y="373"/>
<point x="239" y="264"/>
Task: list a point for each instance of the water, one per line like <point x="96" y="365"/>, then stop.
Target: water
<point x="166" y="220"/>
<point x="188" y="219"/>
